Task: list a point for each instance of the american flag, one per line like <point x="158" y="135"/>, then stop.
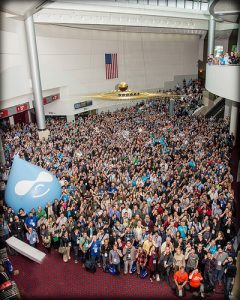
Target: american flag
<point x="111" y="65"/>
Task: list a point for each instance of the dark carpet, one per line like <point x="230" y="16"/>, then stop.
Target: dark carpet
<point x="54" y="279"/>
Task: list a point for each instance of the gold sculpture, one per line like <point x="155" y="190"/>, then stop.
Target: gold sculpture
<point x="122" y="86"/>
<point x="123" y="93"/>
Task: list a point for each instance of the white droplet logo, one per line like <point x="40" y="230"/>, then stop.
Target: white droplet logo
<point x="24" y="186"/>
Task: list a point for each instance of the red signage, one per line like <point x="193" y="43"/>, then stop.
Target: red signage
<point x="21" y="107"/>
<point x="55" y="97"/>
<point x="3" y="113"/>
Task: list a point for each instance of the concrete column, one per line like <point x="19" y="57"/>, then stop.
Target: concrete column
<point x="35" y="74"/>
<point x="234" y="120"/>
<point x="11" y="120"/>
<point x="238" y="40"/>
<point x="171" y="107"/>
<point x="2" y="156"/>
<point x="29" y="116"/>
<point x="70" y="118"/>
<point x="211" y="35"/>
<point x="227" y="109"/>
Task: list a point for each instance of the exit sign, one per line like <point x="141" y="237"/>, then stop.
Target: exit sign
<point x="22" y="107"/>
<point x="3" y="113"/>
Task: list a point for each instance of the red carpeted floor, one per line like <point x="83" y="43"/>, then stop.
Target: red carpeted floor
<point x="54" y="279"/>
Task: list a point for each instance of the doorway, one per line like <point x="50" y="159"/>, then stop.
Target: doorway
<point x="21" y="118"/>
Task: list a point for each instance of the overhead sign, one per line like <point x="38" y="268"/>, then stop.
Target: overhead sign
<point x="10" y="111"/>
<point x="22" y="107"/>
<point x="49" y="99"/>
<point x="13" y="110"/>
<point x="3" y="113"/>
<point x="82" y="104"/>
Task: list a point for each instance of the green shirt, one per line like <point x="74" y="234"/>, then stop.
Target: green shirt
<point x="41" y="213"/>
<point x="84" y="243"/>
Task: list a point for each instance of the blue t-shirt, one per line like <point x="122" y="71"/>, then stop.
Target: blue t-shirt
<point x="95" y="248"/>
<point x="183" y="231"/>
<point x="213" y="249"/>
<point x="31" y="222"/>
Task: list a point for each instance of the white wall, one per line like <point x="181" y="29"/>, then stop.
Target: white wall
<point x="62" y="107"/>
<point x="222" y="42"/>
<point x="14" y="68"/>
<point x="75" y="58"/>
<point x="72" y="60"/>
<point x="224" y="81"/>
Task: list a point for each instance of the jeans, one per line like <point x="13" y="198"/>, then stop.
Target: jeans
<point x="94" y="259"/>
<point x="164" y="273"/>
<point x="117" y="266"/>
<point x="75" y="252"/>
<point x="227" y="286"/>
<point x="208" y="277"/>
<point x="217" y="276"/>
<point x="104" y="261"/>
<point x="139" y="268"/>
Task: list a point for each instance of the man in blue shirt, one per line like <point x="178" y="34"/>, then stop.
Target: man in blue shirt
<point x="31" y="221"/>
<point x="94" y="247"/>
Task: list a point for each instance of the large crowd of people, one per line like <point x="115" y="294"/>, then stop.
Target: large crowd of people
<point x="224" y="59"/>
<point x="142" y="191"/>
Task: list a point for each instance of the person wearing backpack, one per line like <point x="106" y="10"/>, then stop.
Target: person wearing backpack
<point x="129" y="256"/>
<point x="83" y="245"/>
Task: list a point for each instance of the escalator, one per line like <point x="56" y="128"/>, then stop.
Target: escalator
<point x="217" y="111"/>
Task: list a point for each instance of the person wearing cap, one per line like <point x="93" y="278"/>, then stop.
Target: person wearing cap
<point x="229" y="250"/>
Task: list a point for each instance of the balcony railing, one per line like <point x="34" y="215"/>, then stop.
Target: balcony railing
<point x="224" y="81"/>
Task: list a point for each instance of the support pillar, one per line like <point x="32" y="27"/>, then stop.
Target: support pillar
<point x="211" y="35"/>
<point x="227" y="109"/>
<point x="35" y="75"/>
<point x="11" y="120"/>
<point x="171" y="107"/>
<point x="238" y="40"/>
<point x="2" y="156"/>
<point x="71" y="118"/>
<point x="234" y="120"/>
